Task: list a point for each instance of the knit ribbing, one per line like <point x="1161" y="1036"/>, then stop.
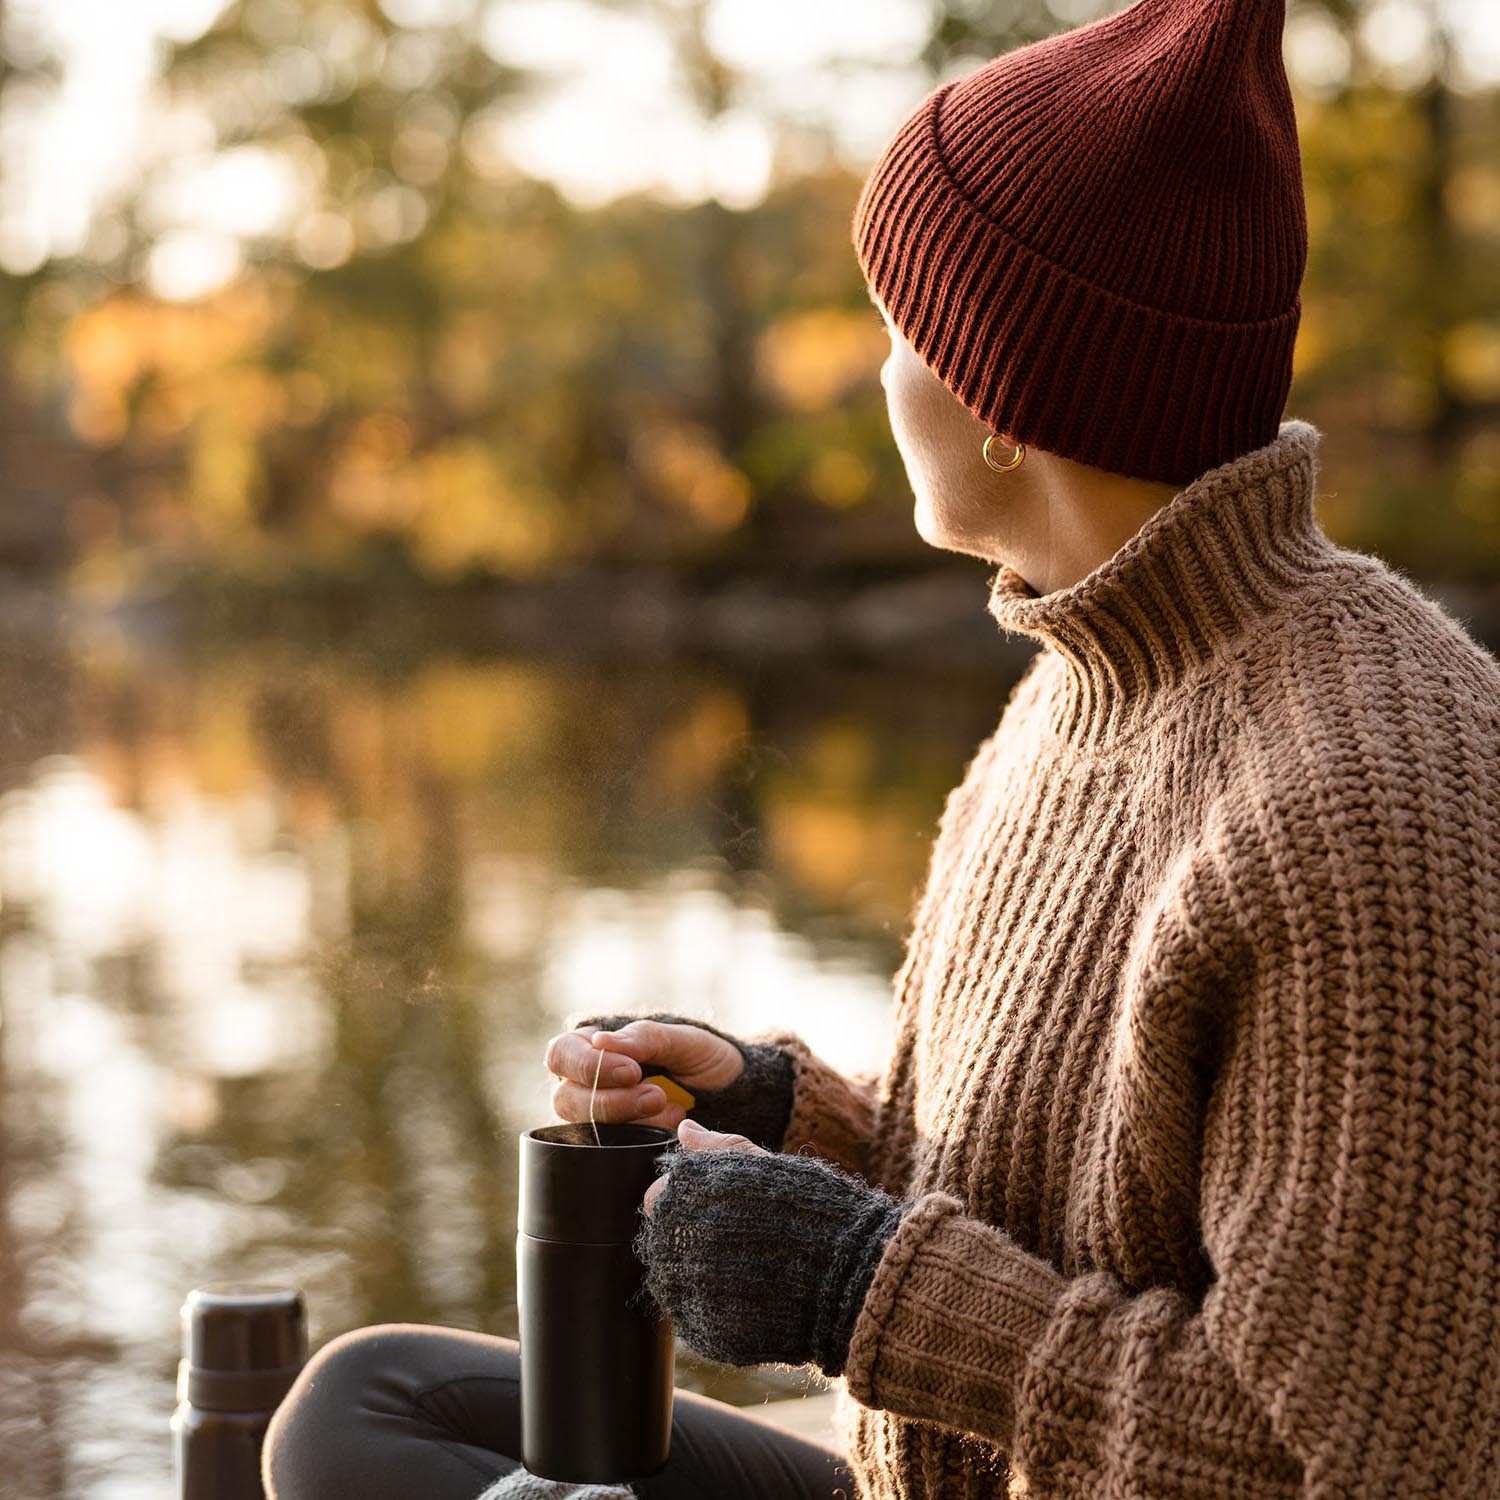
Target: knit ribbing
<point x="1238" y="546"/>
<point x="1194" y="1079"/>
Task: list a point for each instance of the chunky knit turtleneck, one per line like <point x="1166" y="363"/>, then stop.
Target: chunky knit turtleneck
<point x="1194" y="1078"/>
<point x="1232" y="550"/>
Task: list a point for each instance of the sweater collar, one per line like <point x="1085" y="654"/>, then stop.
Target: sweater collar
<point x="1237" y="544"/>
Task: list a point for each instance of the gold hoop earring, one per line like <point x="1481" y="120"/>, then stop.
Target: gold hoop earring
<point x="1014" y="462"/>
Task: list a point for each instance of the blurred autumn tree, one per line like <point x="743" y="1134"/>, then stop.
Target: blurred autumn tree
<point x="439" y="368"/>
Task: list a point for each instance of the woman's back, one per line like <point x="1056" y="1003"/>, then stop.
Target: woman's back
<point x="1203" y="995"/>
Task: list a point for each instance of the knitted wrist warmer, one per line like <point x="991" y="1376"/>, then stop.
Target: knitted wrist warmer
<point x="756" y="1105"/>
<point x="764" y="1259"/>
<point x="522" y="1484"/>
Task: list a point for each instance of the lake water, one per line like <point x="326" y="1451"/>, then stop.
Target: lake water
<point x="284" y="933"/>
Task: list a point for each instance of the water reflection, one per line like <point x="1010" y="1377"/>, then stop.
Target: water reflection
<point x="282" y="938"/>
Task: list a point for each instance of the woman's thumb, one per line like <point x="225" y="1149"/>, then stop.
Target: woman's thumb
<point x="635" y="1035"/>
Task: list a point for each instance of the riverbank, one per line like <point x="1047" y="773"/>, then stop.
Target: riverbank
<point x="932" y="619"/>
<point x="936" y="618"/>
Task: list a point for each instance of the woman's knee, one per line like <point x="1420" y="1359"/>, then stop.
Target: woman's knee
<point x="349" y="1363"/>
<point x="316" y="1416"/>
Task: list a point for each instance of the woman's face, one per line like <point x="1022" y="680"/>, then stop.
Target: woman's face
<point x="961" y="503"/>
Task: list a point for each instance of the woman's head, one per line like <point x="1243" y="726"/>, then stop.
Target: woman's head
<point x="1096" y="240"/>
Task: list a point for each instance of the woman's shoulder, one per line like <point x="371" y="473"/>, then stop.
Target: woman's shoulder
<point x="1370" y="666"/>
<point x="1368" y="728"/>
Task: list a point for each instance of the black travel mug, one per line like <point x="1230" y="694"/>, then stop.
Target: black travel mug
<point x="596" y="1350"/>
<point x="242" y="1346"/>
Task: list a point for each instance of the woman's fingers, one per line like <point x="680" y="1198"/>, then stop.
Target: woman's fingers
<point x="621" y="1098"/>
<point x="667" y="1042"/>
<point x="636" y="1106"/>
<point x="668" y="1118"/>
<point x="570" y="1056"/>
<point x="691" y="1054"/>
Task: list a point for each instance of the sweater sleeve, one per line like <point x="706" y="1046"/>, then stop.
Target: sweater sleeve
<point x="832" y="1112"/>
<point x="1349" y="1200"/>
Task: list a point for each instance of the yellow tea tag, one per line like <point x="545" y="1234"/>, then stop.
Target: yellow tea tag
<point x="671" y="1088"/>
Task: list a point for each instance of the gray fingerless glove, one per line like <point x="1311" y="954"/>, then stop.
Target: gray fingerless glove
<point x="764" y="1259"/>
<point x="521" y="1484"/>
<point x="756" y="1105"/>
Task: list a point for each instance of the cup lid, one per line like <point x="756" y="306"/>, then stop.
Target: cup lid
<point x="244" y="1327"/>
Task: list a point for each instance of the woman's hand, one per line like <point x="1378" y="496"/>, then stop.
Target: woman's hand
<point x="758" y="1257"/>
<point x="694" y="1056"/>
<point x="693" y="1137"/>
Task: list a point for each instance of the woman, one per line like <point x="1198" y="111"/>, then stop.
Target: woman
<point x="1182" y="1175"/>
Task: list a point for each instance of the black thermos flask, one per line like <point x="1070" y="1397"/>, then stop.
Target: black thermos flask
<point x="242" y="1346"/>
<point x="596" y="1350"/>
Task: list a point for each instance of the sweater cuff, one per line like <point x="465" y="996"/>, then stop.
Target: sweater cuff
<point x="944" y="1272"/>
<point x="832" y="1115"/>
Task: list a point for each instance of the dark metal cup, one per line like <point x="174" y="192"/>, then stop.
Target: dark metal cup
<point x="242" y="1347"/>
<point x="596" y="1350"/>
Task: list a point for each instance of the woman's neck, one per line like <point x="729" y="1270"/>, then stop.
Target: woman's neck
<point x="1071" y="518"/>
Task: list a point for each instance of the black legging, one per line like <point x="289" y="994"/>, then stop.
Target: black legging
<point x="406" y="1409"/>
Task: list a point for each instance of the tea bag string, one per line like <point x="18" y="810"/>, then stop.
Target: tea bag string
<point x="592" y="1092"/>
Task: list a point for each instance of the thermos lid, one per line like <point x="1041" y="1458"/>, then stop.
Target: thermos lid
<point x="586" y="1193"/>
<point x="242" y="1345"/>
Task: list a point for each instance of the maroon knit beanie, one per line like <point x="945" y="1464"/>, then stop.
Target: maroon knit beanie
<point x="1096" y="240"/>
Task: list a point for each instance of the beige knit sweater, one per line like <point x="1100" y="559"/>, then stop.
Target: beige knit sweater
<point x="1195" y="1071"/>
